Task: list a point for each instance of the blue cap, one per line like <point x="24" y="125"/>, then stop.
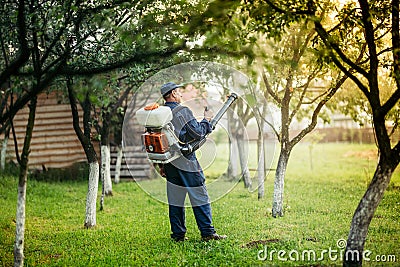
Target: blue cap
<point x="168" y="87"/>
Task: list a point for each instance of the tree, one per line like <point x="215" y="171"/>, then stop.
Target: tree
<point x="294" y="81"/>
<point x="239" y="116"/>
<point x="22" y="183"/>
<point x="100" y="100"/>
<point x="87" y="144"/>
<point x="360" y="25"/>
<point x="372" y="22"/>
<point x="110" y="94"/>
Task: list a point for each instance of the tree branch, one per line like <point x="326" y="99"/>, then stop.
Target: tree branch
<point x="23" y="56"/>
<point x="332" y="45"/>
<point x="317" y="110"/>
<point x="373" y="59"/>
<point x="24" y="99"/>
<point x="325" y="38"/>
<point x="305" y="88"/>
<point x="138" y="57"/>
<point x="269" y="89"/>
<point x="309" y="10"/>
<point x="396" y="58"/>
<point x="74" y="110"/>
<point x="390" y="103"/>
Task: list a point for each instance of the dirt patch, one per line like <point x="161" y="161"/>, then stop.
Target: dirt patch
<point x="367" y="154"/>
<point x="312" y="239"/>
<point x="255" y="243"/>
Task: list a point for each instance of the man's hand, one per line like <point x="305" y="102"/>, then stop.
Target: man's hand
<point x="208" y="114"/>
<point x="162" y="172"/>
<point x="160" y="169"/>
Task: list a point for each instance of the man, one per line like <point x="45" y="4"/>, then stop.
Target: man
<point x="184" y="175"/>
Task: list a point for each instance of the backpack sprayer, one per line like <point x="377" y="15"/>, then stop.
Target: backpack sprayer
<point x="160" y="141"/>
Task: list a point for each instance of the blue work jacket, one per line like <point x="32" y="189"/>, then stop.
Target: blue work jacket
<point x="187" y="128"/>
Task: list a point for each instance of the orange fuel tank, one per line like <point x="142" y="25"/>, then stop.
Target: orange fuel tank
<point x="155" y="142"/>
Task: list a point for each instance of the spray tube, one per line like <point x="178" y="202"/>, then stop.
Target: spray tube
<point x="191" y="147"/>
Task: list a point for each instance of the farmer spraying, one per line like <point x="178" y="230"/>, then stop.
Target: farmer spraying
<point x="172" y="136"/>
<point x="185" y="175"/>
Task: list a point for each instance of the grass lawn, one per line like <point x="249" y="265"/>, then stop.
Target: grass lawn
<point x="133" y="230"/>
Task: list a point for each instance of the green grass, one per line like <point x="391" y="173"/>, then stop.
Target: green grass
<point x="133" y="230"/>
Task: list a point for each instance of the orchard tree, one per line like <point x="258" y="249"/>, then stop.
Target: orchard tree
<point x="294" y="80"/>
<point x="371" y="22"/>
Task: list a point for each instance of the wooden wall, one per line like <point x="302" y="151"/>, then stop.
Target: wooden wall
<point x="55" y="144"/>
<point x="134" y="165"/>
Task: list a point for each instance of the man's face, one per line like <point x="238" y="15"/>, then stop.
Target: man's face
<point x="177" y="95"/>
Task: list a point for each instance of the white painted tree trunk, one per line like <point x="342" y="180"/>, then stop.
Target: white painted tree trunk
<point x="277" y="204"/>
<point x="243" y="162"/>
<point x="91" y="198"/>
<point x="233" y="168"/>
<point x="261" y="164"/>
<point x="118" y="165"/>
<point x="3" y="154"/>
<point x="20" y="226"/>
<point x="261" y="154"/>
<point x="22" y="181"/>
<point x="105" y="170"/>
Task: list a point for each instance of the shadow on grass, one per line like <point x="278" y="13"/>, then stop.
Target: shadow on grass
<point x="77" y="172"/>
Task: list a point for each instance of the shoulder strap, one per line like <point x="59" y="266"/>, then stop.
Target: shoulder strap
<point x="180" y="117"/>
<point x="177" y="109"/>
<point x="181" y="120"/>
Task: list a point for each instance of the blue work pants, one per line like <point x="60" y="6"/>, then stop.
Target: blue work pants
<point x="180" y="183"/>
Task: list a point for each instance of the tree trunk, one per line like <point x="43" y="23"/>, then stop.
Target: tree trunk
<point x="243" y="160"/>
<point x="106" y="188"/>
<point x="93" y="184"/>
<point x="84" y="138"/>
<point x="118" y="164"/>
<point x="261" y="162"/>
<point x="20" y="216"/>
<point x="105" y="169"/>
<point x="106" y="184"/>
<point x="364" y="213"/>
<point x="3" y="153"/>
<point x="261" y="154"/>
<point x="277" y="204"/>
<point x="233" y="167"/>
